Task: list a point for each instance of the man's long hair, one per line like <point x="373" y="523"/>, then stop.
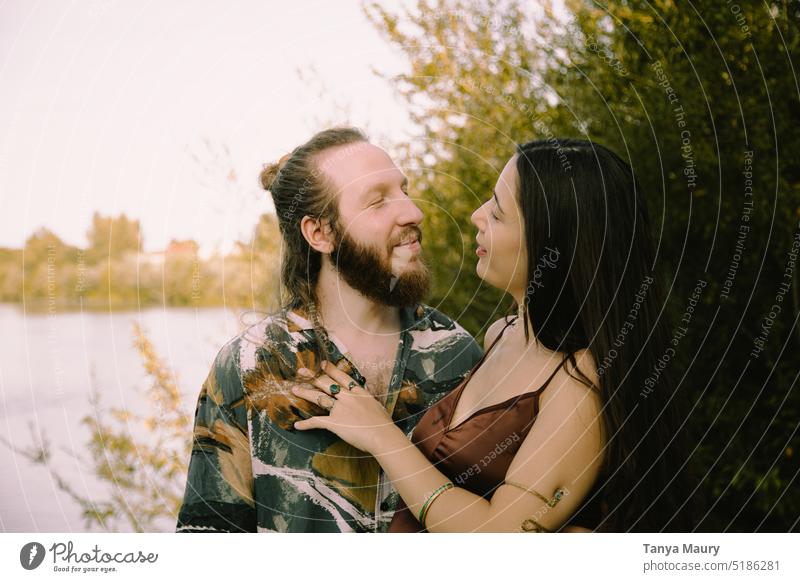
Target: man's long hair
<point x="299" y="188"/>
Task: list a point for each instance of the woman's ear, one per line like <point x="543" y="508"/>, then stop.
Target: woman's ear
<point x="317" y="233"/>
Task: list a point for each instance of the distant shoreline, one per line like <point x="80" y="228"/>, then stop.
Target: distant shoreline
<point x="44" y="307"/>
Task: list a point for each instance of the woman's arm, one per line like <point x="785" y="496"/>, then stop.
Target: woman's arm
<point x="562" y="450"/>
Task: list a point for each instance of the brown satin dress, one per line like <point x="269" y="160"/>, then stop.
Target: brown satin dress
<point x="477" y="453"/>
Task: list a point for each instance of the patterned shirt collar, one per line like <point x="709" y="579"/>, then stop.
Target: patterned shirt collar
<point x="412" y="317"/>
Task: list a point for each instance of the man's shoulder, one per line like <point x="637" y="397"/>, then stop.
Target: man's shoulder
<point x="436" y="330"/>
<point x="275" y="337"/>
<point x="430" y="318"/>
<point x="443" y="350"/>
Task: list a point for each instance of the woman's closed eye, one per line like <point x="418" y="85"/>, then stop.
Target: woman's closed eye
<point x="493" y="209"/>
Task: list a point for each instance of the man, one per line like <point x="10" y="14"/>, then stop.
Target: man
<point x="353" y="278"/>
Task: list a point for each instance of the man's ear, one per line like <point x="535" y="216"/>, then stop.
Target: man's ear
<point x="317" y="233"/>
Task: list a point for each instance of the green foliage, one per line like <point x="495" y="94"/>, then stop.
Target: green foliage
<point x="735" y="90"/>
<point x="252" y="271"/>
<point x="113" y="271"/>
<point x="681" y="91"/>
<point x="472" y="97"/>
<point x="112" y="238"/>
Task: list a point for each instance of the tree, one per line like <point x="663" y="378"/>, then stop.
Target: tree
<point x="706" y="112"/>
<point x="113" y="237"/>
<point x="470" y="90"/>
<point x="251" y="272"/>
<point x="10" y="274"/>
<point x="637" y="76"/>
<point x="48" y="269"/>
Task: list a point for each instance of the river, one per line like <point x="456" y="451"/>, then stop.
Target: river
<point x="48" y="364"/>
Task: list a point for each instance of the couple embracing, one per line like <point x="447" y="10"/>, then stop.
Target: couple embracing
<point x="359" y="408"/>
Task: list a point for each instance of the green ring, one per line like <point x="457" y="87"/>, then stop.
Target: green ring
<point x="335" y="388"/>
<point x="352" y="384"/>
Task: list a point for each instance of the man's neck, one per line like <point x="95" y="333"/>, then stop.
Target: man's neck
<point x="347" y="312"/>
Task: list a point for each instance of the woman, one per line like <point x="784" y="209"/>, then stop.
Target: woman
<point x="553" y="427"/>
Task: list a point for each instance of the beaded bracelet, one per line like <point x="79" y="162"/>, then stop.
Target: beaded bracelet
<point x="423" y="513"/>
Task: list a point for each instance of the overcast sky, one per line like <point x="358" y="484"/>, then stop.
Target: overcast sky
<point x="146" y="107"/>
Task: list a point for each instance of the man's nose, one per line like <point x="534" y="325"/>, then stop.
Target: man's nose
<point x="409" y="212"/>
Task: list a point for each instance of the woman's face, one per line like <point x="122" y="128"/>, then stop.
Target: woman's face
<point x="502" y="255"/>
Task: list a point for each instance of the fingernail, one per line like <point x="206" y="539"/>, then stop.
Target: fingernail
<point x="304" y="372"/>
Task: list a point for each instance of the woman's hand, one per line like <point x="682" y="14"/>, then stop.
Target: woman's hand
<point x="355" y="415"/>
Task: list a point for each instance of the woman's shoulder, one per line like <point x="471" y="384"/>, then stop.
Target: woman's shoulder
<point x="493" y="331"/>
<point x="584" y="366"/>
<point x="577" y="368"/>
<point x="575" y="385"/>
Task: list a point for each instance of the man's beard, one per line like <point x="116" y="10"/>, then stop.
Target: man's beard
<point x="365" y="270"/>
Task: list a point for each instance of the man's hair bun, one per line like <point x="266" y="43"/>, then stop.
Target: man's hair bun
<point x="268" y="175"/>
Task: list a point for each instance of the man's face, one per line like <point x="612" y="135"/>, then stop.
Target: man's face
<point x="377" y="240"/>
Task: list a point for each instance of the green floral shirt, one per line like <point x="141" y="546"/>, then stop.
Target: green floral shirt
<point x="251" y="471"/>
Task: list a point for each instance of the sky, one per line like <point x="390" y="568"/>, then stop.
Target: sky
<point x="167" y="110"/>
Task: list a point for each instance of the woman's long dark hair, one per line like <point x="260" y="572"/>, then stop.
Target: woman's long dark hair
<point x="582" y="204"/>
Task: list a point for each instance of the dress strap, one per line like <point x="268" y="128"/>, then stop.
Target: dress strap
<point x="553" y="375"/>
<point x="499" y="335"/>
<point x="538" y="392"/>
<point x="483" y="357"/>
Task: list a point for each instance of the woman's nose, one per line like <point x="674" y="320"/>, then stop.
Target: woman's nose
<point x="476" y="217"/>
